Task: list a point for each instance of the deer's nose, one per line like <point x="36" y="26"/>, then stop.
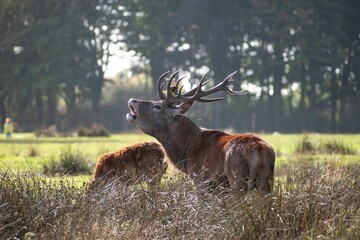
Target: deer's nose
<point x="133" y="100"/>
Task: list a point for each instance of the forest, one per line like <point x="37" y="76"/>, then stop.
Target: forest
<point x="299" y="61"/>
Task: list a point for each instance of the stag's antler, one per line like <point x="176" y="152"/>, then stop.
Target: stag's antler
<point x="196" y="94"/>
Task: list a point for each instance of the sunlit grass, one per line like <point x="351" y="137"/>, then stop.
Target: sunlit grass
<point x="285" y="144"/>
<point x="24" y="152"/>
<point x="315" y="195"/>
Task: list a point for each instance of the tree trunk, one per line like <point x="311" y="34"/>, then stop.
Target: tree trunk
<point x="96" y="88"/>
<point x="333" y="100"/>
<point x="157" y="67"/>
<point x="51" y="107"/>
<point x="39" y="110"/>
<point x="2" y="112"/>
<point x="276" y="103"/>
<point x="71" y="108"/>
<point x="218" y="61"/>
<point x="355" y="95"/>
<point x="344" y="91"/>
<point x="302" y="98"/>
<point x="290" y="126"/>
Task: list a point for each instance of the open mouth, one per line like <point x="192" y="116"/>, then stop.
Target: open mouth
<point x="133" y="111"/>
<point x="132" y="115"/>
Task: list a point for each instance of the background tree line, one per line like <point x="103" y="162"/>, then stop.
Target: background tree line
<point x="298" y="59"/>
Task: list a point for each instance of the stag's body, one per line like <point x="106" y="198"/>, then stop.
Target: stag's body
<point x="244" y="161"/>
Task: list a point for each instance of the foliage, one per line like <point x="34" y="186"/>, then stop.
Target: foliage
<point x="337" y="147"/>
<point x="33" y="152"/>
<point x="51" y="51"/>
<point x="299" y="59"/>
<point x="95" y="130"/>
<point x="50" y="131"/>
<point x="308" y="146"/>
<point x="305" y="145"/>
<point x="68" y="161"/>
<point x="291" y="54"/>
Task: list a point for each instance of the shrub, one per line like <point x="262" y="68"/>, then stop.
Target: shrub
<point x="32" y="152"/>
<point x="305" y="145"/>
<point x="336" y="147"/>
<point x="96" y="130"/>
<point x="68" y="161"/>
<point x="50" y="131"/>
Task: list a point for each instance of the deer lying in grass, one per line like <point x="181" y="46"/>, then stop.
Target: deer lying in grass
<point x="243" y="161"/>
<point x="143" y="162"/>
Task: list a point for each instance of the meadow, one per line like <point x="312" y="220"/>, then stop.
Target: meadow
<point x="316" y="194"/>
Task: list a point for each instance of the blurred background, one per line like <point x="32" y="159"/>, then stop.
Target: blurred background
<point x="70" y="64"/>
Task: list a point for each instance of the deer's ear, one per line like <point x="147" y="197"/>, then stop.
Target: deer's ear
<point x="183" y="108"/>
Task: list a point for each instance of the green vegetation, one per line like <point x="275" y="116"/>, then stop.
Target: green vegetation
<point x="315" y="195"/>
<point x="68" y="161"/>
<point x="93" y="131"/>
<point x="328" y="146"/>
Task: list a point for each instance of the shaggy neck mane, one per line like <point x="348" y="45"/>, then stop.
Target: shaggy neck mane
<point x="180" y="140"/>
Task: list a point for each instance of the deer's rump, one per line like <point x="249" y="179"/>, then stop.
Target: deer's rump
<point x="244" y="161"/>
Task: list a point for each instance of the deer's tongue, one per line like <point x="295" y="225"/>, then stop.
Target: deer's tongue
<point x="133" y="111"/>
<point x="132" y="115"/>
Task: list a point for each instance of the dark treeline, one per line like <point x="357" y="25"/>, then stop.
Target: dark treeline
<point x="299" y="60"/>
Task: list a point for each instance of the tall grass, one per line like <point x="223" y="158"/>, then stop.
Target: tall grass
<point x="306" y="145"/>
<point x="337" y="147"/>
<point x="67" y="161"/>
<point x="310" y="203"/>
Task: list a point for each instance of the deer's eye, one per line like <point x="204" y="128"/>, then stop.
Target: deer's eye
<point x="158" y="107"/>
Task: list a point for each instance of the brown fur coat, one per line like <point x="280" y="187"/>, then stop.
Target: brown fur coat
<point x="143" y="162"/>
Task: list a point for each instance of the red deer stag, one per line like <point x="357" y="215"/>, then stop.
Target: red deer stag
<point x="243" y="161"/>
<point x="143" y="162"/>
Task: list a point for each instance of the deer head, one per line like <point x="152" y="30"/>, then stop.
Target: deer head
<point x="153" y="117"/>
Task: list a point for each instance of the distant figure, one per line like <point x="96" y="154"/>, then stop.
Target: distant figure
<point x="8" y="127"/>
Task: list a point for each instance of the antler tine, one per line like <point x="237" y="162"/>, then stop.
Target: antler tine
<point x="225" y="83"/>
<point x="224" y="87"/>
<point x="177" y="84"/>
<point x="197" y="93"/>
<point x="202" y="83"/>
<point x="160" y="86"/>
<point x="170" y="81"/>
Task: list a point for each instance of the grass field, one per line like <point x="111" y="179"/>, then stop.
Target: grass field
<point x="316" y="194"/>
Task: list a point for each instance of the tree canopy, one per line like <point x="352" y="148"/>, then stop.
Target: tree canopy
<point x="298" y="59"/>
